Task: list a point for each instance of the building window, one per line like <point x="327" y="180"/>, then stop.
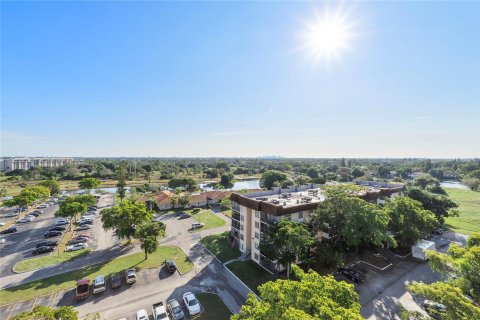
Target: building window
<point x="241" y="227"/>
<point x="241" y="247"/>
<point x="257" y="235"/>
<point x="257" y="245"/>
<point x="257" y="214"/>
<point x="256" y="256"/>
<point x="241" y="236"/>
<point x="257" y="224"/>
<point x="242" y="217"/>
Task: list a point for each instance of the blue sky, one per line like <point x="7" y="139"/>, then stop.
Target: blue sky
<point x="233" y="79"/>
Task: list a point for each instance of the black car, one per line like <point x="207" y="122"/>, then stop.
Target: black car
<point x="82" y="240"/>
<point x="115" y="280"/>
<point x="351" y="274"/>
<point x="170" y="266"/>
<point x="43" y="250"/>
<point x="50" y="234"/>
<point x="184" y="216"/>
<point x="37" y="211"/>
<point x="48" y="243"/>
<point x="35" y="214"/>
<point x="9" y="230"/>
<point x="58" y="228"/>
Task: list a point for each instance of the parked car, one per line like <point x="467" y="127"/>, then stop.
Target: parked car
<point x="11" y="214"/>
<point x="23" y="209"/>
<point x="49" y="243"/>
<point x="197" y="225"/>
<point x="99" y="284"/>
<point x="351" y="274"/>
<point x="33" y="213"/>
<point x="83" y="289"/>
<point x="170" y="266"/>
<point x="61" y="222"/>
<point x="57" y="228"/>
<point x="85" y="222"/>
<point x="159" y="311"/>
<point x="130" y="276"/>
<point x="115" y="281"/>
<point x="42" y="206"/>
<point x="192" y="304"/>
<point x="2" y="224"/>
<point x="43" y="249"/>
<point x="37" y="211"/>
<point x="84" y="227"/>
<point x="175" y="309"/>
<point x="434" y="309"/>
<point x="30" y="218"/>
<point x="9" y="230"/>
<point x="81" y="237"/>
<point x="184" y="216"/>
<point x="77" y="246"/>
<point x="23" y="220"/>
<point x="142" y="314"/>
<point x="50" y="234"/>
<point x="77" y="241"/>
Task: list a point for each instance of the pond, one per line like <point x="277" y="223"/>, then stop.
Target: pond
<point x="453" y="184"/>
<point x="238" y="185"/>
<point x="93" y="191"/>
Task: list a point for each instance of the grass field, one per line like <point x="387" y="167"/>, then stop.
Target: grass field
<point x="214" y="308"/>
<point x="208" y="218"/>
<point x="219" y="246"/>
<point x="48" y="260"/>
<point x="250" y="273"/>
<point x="469" y="208"/>
<point x="68" y="280"/>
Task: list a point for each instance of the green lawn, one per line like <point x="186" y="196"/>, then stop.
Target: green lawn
<point x="250" y="273"/>
<point x="208" y="218"/>
<point x="48" y="260"/>
<point x="469" y="208"/>
<point x="68" y="280"/>
<point x="214" y="308"/>
<point x="219" y="246"/>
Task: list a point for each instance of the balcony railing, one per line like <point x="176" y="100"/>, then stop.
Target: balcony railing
<point x="236" y="224"/>
<point x="236" y="215"/>
<point x="268" y="264"/>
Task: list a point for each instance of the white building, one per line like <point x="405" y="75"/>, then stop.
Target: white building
<point x="25" y="163"/>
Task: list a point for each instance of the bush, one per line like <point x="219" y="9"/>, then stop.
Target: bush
<point x="196" y="210"/>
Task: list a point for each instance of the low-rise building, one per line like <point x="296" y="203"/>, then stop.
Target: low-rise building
<point x="254" y="213"/>
<point x="25" y="163"/>
<point x="164" y="201"/>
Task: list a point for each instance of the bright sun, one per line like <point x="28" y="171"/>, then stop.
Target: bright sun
<point x="327" y="36"/>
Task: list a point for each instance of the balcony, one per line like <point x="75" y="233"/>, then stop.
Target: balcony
<point x="268" y="264"/>
<point x="236" y="224"/>
<point x="235" y="215"/>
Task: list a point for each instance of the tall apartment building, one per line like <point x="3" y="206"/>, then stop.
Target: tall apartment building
<point x="25" y="163"/>
<point x="254" y="213"/>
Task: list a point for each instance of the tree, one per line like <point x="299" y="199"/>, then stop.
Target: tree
<point x="272" y="178"/>
<point x="52" y="185"/>
<point x="71" y="210"/>
<point x="183" y="200"/>
<point x="121" y="175"/>
<point x="188" y="183"/>
<point x="89" y="184"/>
<point x="460" y="266"/>
<point x="425" y="180"/>
<point x="312" y="173"/>
<point x="408" y="220"/>
<point x="472" y="183"/>
<point x="311" y="297"/>
<point x="458" y="306"/>
<point x="48" y="313"/>
<point x="125" y="217"/>
<point x="440" y="205"/>
<point x="349" y="220"/>
<point x="28" y="196"/>
<point x="226" y="180"/>
<point x="357" y="173"/>
<point x="86" y="199"/>
<point x="147" y="234"/>
<point x="286" y="242"/>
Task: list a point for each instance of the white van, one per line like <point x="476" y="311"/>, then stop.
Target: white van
<point x="99" y="285"/>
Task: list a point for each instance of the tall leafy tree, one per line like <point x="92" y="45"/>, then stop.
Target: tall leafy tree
<point x="408" y="220"/>
<point x="52" y="185"/>
<point x="125" y="217"/>
<point x="89" y="184"/>
<point x="121" y="175"/>
<point x="286" y="242"/>
<point x="349" y="220"/>
<point x="71" y="210"/>
<point x="48" y="313"/>
<point x="28" y="196"/>
<point x="440" y="205"/>
<point x="148" y="234"/>
<point x="311" y="297"/>
<point x="272" y="178"/>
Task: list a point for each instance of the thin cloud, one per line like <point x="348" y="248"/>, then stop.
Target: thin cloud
<point x="421" y="118"/>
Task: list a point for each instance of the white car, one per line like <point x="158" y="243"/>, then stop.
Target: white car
<point x="2" y="241"/>
<point x="142" y="314"/>
<point x="84" y="227"/>
<point x="2" y="224"/>
<point x="130" y="276"/>
<point x="78" y="246"/>
<point x="23" y="220"/>
<point x="192" y="303"/>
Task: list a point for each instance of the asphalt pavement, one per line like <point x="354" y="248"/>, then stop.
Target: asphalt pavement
<point x="19" y="245"/>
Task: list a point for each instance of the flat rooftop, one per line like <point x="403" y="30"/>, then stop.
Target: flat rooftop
<point x="290" y="199"/>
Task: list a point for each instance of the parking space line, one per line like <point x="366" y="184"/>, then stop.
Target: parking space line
<point x="54" y="298"/>
<point x="34" y="302"/>
<point x="10" y="314"/>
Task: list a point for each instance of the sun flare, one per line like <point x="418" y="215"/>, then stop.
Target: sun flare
<point x="327" y="36"/>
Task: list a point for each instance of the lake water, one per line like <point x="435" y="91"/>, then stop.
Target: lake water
<point x="238" y="185"/>
<point x="80" y="191"/>
<point x="453" y="184"/>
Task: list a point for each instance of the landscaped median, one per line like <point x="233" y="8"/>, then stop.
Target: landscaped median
<point x="209" y="219"/>
<point x="220" y="247"/>
<point x="47" y="261"/>
<point x="68" y="280"/>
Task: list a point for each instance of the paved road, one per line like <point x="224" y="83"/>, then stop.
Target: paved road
<point x="382" y="292"/>
<point x="19" y="245"/>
